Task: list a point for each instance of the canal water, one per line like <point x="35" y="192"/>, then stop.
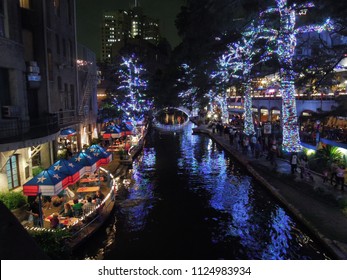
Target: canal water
<point x="191" y="200"/>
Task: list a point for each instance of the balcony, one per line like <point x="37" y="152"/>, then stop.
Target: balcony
<point x="17" y="130"/>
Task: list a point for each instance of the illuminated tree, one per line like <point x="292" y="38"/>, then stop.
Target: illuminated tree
<point x="187" y="91"/>
<point x="286" y="44"/>
<point x="239" y="61"/>
<point x="130" y="97"/>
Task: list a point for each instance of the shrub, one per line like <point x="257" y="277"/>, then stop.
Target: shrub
<point x="37" y="170"/>
<point x="342" y="203"/>
<point x="13" y="200"/>
<point x="53" y="243"/>
<point x="96" y="140"/>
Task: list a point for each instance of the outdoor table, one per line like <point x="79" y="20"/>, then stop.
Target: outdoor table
<point x="89" y="180"/>
<point x="88" y="189"/>
<point x="66" y="221"/>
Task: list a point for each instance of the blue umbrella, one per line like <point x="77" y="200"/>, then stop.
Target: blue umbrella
<point x="73" y="170"/>
<point x="114" y="130"/>
<point x="67" y="132"/>
<point x="126" y="128"/>
<point x="85" y="159"/>
<point x="99" y="152"/>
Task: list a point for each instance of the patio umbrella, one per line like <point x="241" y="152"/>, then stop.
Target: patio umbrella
<point x="67" y="132"/>
<point x="126" y="128"/>
<point x="99" y="152"/>
<point x="87" y="160"/>
<point x="75" y="171"/>
<point x="114" y="131"/>
<point x="48" y="183"/>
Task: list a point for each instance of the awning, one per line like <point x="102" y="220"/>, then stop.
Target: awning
<point x="68" y="132"/>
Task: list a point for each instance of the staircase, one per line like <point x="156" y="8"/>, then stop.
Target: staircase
<point x="87" y="90"/>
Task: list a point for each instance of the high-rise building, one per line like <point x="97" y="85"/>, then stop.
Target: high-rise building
<point x="42" y="91"/>
<point x="120" y="25"/>
<point x="116" y="27"/>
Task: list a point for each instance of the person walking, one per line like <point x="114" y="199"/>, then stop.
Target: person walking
<point x="257" y="149"/>
<point x="252" y="144"/>
<point x="245" y="145"/>
<point x="231" y="136"/>
<point x="294" y="163"/>
<point x="273" y="154"/>
<point x="340" y="177"/>
<point x="333" y="168"/>
<point x="36" y="212"/>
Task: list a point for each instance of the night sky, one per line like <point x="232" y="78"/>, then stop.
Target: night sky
<point x="89" y="15"/>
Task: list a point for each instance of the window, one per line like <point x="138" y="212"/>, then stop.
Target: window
<point x="72" y="96"/>
<point x="69" y="11"/>
<point x="56" y="5"/>
<point x="2" y="19"/>
<point x="5" y="95"/>
<point x="66" y="97"/>
<point x="57" y="41"/>
<point x="64" y="47"/>
<point x="36" y="159"/>
<point x="60" y="84"/>
<point x="50" y="64"/>
<point x="26" y="4"/>
<point x="12" y="172"/>
<point x="71" y="53"/>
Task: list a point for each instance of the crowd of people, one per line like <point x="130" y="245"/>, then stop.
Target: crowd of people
<point x="79" y="208"/>
<point x="269" y="145"/>
<point x="311" y="133"/>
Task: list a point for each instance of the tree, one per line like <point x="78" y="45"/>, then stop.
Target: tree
<point x="240" y="60"/>
<point x="286" y="43"/>
<point x="130" y="96"/>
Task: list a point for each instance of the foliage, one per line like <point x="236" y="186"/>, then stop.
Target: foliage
<point x="53" y="243"/>
<point x="131" y="96"/>
<point x="96" y="141"/>
<point x="13" y="200"/>
<point x="342" y="202"/>
<point x="62" y="154"/>
<point x="37" y="170"/>
<point x="328" y="154"/>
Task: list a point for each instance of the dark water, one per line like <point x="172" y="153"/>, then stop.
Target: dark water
<point x="191" y="200"/>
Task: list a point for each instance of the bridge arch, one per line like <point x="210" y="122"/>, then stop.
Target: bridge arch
<point x="171" y="122"/>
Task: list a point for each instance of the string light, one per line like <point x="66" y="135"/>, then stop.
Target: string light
<point x="187" y="95"/>
<point x="134" y="101"/>
<point x="238" y="63"/>
<point x="286" y="44"/>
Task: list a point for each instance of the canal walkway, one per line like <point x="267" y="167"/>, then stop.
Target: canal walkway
<point x="314" y="203"/>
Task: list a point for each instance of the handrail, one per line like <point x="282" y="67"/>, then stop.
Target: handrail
<point x="89" y="223"/>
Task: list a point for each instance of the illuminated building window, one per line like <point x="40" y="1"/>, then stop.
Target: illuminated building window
<point x="56" y="4"/>
<point x="12" y="172"/>
<point x="26" y="4"/>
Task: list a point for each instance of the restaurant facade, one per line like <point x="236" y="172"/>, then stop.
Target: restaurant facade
<point x="48" y="87"/>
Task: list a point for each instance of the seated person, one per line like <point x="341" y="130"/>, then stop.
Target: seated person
<point x="88" y="206"/>
<point x="47" y="200"/>
<point x="67" y="210"/>
<point x="54" y="221"/>
<point x="99" y="197"/>
<point x="77" y="208"/>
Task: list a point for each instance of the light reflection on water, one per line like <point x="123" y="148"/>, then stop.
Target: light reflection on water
<point x="139" y="201"/>
<point x="190" y="200"/>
